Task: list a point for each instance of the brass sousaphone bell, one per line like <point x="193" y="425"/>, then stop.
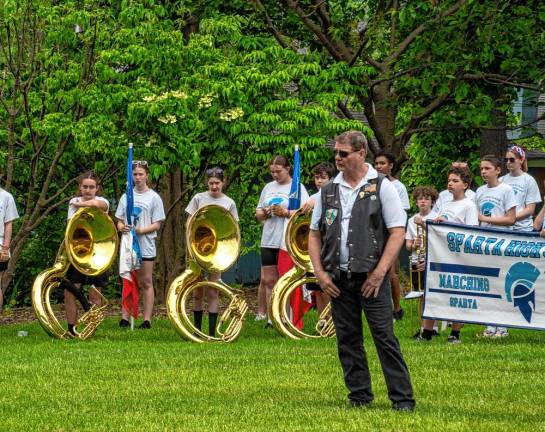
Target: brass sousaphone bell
<point x="213" y="246"/>
<point x="90" y="245"/>
<point x="297" y="233"/>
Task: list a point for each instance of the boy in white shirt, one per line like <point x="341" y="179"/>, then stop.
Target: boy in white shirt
<point x="425" y="197"/>
<point x="384" y="164"/>
<point x="8" y="213"/>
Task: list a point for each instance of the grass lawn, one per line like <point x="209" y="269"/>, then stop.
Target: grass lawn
<point x="153" y="380"/>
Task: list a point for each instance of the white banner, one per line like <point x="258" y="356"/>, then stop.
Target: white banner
<point x="485" y="276"/>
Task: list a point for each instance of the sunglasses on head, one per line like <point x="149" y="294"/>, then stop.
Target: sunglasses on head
<point x="214" y="172"/>
<point x="509" y="159"/>
<point x="343" y="154"/>
<point x="139" y="163"/>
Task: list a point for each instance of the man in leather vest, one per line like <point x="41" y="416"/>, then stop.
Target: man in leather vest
<point x="357" y="230"/>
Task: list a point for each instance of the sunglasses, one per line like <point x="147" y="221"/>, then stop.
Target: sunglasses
<point x="509" y="159"/>
<point x="343" y="154"/>
<point x="214" y="172"/>
<point x="139" y="163"/>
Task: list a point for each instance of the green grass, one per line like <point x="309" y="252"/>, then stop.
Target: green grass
<point x="153" y="380"/>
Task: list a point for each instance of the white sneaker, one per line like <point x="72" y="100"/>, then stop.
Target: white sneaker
<point x="501" y="333"/>
<point x="489" y="332"/>
<point x="260" y="317"/>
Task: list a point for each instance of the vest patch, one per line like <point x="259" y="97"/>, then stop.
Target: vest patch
<point x="330" y="216"/>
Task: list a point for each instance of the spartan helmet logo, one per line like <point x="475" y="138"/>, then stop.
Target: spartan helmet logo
<point x="519" y="288"/>
<point x="486" y="209"/>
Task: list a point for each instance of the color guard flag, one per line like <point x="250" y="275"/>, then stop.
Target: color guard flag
<point x="301" y="299"/>
<point x="130" y="258"/>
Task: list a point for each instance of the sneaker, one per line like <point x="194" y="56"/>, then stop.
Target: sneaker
<point x="501" y="333"/>
<point x="435" y="333"/>
<point x="398" y="315"/>
<point x="260" y="317"/>
<point x="269" y="324"/>
<point x="420" y="338"/>
<point x="145" y="325"/>
<point x="417" y="335"/>
<point x="489" y="332"/>
<point x="454" y="340"/>
<point x="123" y="323"/>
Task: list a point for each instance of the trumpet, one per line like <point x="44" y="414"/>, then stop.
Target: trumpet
<point x="417" y="283"/>
<point x="302" y="273"/>
<point x="90" y="245"/>
<point x="213" y="245"/>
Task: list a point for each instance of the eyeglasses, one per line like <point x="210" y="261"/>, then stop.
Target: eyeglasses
<point x="139" y="163"/>
<point x="344" y="154"/>
<point x="509" y="160"/>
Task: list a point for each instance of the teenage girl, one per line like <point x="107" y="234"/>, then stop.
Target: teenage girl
<point x="214" y="195"/>
<point x="87" y="196"/>
<point x="148" y="207"/>
<point x="8" y="213"/>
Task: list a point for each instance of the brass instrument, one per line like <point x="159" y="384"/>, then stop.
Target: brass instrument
<point x="417" y="291"/>
<point x="213" y="245"/>
<point x="297" y="233"/>
<point x="90" y="245"/>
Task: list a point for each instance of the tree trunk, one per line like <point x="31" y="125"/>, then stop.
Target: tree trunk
<point x="171" y="242"/>
<point x="494" y="140"/>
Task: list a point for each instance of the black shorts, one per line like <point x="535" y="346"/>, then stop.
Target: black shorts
<point x="269" y="256"/>
<point x="76" y="277"/>
<point x="4" y="265"/>
<point x="148" y="259"/>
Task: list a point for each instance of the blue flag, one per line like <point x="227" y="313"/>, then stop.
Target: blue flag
<point x="130" y="205"/>
<point x="295" y="191"/>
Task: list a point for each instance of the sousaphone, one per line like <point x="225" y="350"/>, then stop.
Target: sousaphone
<point x="90" y="245"/>
<point x="302" y="273"/>
<point x="213" y="246"/>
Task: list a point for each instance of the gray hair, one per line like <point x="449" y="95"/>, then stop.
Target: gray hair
<point x="356" y="139"/>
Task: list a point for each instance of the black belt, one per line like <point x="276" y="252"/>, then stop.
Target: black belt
<point x="352" y="275"/>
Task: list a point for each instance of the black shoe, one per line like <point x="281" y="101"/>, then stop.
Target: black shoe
<point x="435" y="333"/>
<point x="398" y="315"/>
<point x="403" y="406"/>
<point x="72" y="329"/>
<point x="145" y="325"/>
<point x="359" y="403"/>
<point x="123" y="323"/>
<point x="269" y="325"/>
<point x="417" y="335"/>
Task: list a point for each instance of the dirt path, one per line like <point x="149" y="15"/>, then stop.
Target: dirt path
<point x="26" y="314"/>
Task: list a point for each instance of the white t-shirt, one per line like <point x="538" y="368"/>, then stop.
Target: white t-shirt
<point x="204" y="198"/>
<point x="412" y="230"/>
<point x="148" y="207"/>
<point x="8" y="211"/>
<point x="463" y="211"/>
<point x="273" y="229"/>
<point x="495" y="201"/>
<point x="392" y="210"/>
<point x="445" y="197"/>
<point x="526" y="192"/>
<point x="402" y="191"/>
<point x="73" y="209"/>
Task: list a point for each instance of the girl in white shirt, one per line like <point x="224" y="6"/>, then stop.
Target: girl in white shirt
<point x="524" y="186"/>
<point x="88" y="189"/>
<point x="214" y="195"/>
<point x="149" y="206"/>
<point x="8" y="213"/>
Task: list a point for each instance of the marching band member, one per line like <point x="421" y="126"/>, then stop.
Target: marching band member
<point x="384" y="164"/>
<point x="271" y="211"/>
<point x="214" y="195"/>
<point x="524" y="185"/>
<point x="461" y="210"/>
<point x="8" y="213"/>
<point x="150" y="213"/>
<point x="497" y="207"/>
<point x="425" y="197"/>
<point x="445" y="196"/>
<point x="88" y="190"/>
